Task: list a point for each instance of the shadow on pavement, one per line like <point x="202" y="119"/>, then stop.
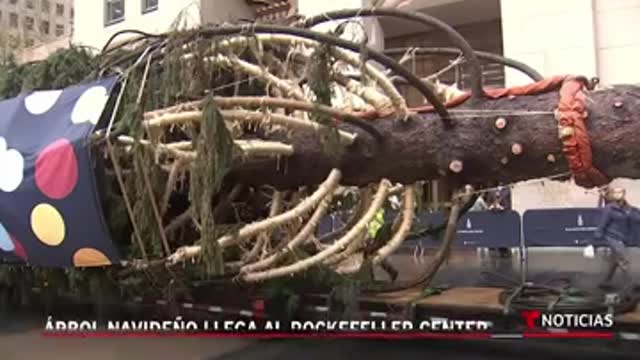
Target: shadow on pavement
<point x="479" y="268"/>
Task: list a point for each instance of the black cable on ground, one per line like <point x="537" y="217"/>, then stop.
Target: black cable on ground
<point x="560" y="300"/>
<point x="555" y="294"/>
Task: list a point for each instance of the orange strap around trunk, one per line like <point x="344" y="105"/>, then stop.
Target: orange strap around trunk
<point x="572" y="115"/>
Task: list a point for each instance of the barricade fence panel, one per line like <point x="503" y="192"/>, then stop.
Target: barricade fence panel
<point x="561" y="227"/>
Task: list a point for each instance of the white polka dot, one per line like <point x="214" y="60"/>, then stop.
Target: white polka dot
<point x="41" y="101"/>
<point x="12" y="165"/>
<point x="89" y="106"/>
<point x="6" y="244"/>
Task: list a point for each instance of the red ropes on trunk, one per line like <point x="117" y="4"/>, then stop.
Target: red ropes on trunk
<point x="571" y="115"/>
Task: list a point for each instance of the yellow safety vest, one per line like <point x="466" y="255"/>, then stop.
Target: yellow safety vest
<point x="376" y="223"/>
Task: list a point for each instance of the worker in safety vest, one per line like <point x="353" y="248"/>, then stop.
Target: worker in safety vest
<point x="375" y="224"/>
<point x="379" y="233"/>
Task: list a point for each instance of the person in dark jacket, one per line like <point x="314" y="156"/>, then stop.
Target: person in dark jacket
<point x="635" y="226"/>
<point x="603" y="199"/>
<point x="501" y="201"/>
<point x="616" y="229"/>
<point x="504" y="195"/>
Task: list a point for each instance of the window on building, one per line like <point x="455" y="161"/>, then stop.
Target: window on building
<point x="60" y="9"/>
<point x="28" y="23"/>
<point x="45" y="6"/>
<point x="13" y="20"/>
<point x="113" y="11"/>
<point x="13" y="2"/>
<point x="30" y="4"/>
<point x="149" y="5"/>
<point x="44" y="27"/>
<point x="59" y="30"/>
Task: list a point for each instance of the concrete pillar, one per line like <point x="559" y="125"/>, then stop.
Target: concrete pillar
<point x="582" y="37"/>
<point x="555" y="37"/>
<point x="617" y="29"/>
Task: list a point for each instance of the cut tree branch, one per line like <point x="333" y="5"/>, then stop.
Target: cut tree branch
<point x="328" y="186"/>
<point x="246" y="116"/>
<point x="288" y="247"/>
<point x="339" y="245"/>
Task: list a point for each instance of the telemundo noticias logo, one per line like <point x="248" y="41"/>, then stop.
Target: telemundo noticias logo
<point x="537" y="320"/>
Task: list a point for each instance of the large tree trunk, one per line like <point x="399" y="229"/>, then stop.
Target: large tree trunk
<point x="423" y="148"/>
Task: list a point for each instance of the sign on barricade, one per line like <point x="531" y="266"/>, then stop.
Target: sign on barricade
<point x="561" y="227"/>
<point x="492" y="229"/>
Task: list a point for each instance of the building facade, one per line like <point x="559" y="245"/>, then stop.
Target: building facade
<point x="29" y="23"/>
<point x="586" y="37"/>
<point x="97" y="20"/>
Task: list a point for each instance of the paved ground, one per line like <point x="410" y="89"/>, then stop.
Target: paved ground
<point x="470" y="267"/>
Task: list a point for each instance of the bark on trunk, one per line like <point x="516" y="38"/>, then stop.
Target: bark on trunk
<point x="424" y="148"/>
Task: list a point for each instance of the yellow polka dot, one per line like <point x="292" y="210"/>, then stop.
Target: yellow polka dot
<point x="90" y="257"/>
<point x="47" y="224"/>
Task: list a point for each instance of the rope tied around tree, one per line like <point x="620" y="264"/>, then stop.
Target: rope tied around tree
<point x="572" y="116"/>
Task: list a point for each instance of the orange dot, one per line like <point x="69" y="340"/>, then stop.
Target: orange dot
<point x="88" y="257"/>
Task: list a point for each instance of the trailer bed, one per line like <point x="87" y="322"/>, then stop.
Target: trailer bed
<point x="477" y="301"/>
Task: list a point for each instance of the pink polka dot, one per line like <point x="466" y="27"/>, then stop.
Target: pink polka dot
<point x="57" y="169"/>
<point x="19" y="249"/>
